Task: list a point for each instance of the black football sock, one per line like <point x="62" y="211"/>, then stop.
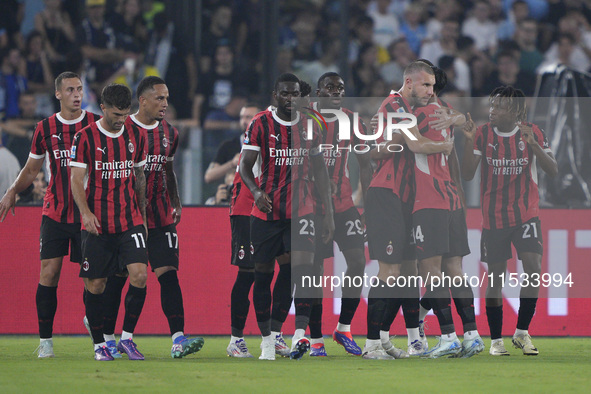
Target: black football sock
<point x="304" y="297"/>
<point x="94" y="314"/>
<point x="376" y="305"/>
<point x="261" y="298"/>
<point x="494" y="314"/>
<point x="348" y="309"/>
<point x="441" y="303"/>
<point x="393" y="304"/>
<point x="171" y="299"/>
<point x="316" y="320"/>
<point x="527" y="308"/>
<point x="111" y="302"/>
<point x="239" y="302"/>
<point x="281" y="297"/>
<point x="464" y="300"/>
<point x="425" y="301"/>
<point x="134" y="303"/>
<point x="46" y="300"/>
<point x="410" y="306"/>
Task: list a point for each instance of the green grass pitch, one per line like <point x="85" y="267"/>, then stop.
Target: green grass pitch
<point x="564" y="365"/>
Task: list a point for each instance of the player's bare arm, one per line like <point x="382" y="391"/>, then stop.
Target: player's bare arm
<point x="546" y="159"/>
<point x="140" y="190"/>
<point x="469" y="160"/>
<point x="217" y="171"/>
<point x="89" y="220"/>
<point x="261" y="199"/>
<point x="24" y="179"/>
<point x="173" y="192"/>
<point x="323" y="184"/>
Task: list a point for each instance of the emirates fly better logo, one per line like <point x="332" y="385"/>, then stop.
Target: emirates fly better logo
<point x="391" y="123"/>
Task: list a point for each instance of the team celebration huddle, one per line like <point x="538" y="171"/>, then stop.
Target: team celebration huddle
<point x="113" y="205"/>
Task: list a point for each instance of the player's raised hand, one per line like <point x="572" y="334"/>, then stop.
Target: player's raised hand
<point x="262" y="201"/>
<point x="7" y="204"/>
<point x="469" y="128"/>
<point x="91" y="223"/>
<point x="527" y="134"/>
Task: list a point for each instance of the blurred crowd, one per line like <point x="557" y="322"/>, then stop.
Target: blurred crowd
<point x="480" y="45"/>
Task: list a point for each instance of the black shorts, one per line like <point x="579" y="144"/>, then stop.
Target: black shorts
<point x="108" y="254"/>
<point x="163" y="247"/>
<point x="269" y="239"/>
<point x="241" y="241"/>
<point x="55" y="237"/>
<point x="439" y="232"/>
<point x="348" y="233"/>
<point x="389" y="227"/>
<point x="495" y="244"/>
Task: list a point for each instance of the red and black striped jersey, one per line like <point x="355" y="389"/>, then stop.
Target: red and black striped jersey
<point x="509" y="176"/>
<point x="162" y="142"/>
<point x="285" y="163"/>
<point x="242" y="200"/>
<point x="53" y="136"/>
<point x="336" y="156"/>
<point x="110" y="160"/>
<point x="395" y="172"/>
<point x="434" y="188"/>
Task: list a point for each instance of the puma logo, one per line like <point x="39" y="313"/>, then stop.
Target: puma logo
<point x="102" y="150"/>
<point x="493" y="146"/>
<point x="58" y="136"/>
<point x="275" y="136"/>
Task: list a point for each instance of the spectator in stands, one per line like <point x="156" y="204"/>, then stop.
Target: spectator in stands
<point x="401" y="55"/>
<point x="130" y="27"/>
<point x="224" y="191"/>
<point x="508" y="73"/>
<point x="219" y="30"/>
<point x="39" y="74"/>
<point x="13" y="81"/>
<point x="170" y="53"/>
<point x="445" y="45"/>
<point x="34" y="194"/>
<point x="462" y="60"/>
<point x="18" y="131"/>
<point x="11" y="17"/>
<point x="216" y="88"/>
<point x="386" y="26"/>
<point x="572" y="48"/>
<point x="59" y="35"/>
<point x="564" y="52"/>
<point x="98" y="42"/>
<point x="526" y="38"/>
<point x="412" y="27"/>
<point x="444" y="10"/>
<point x="151" y="8"/>
<point x="519" y="11"/>
<point x="284" y="60"/>
<point x="305" y="49"/>
<point x="221" y="124"/>
<point x="329" y="61"/>
<point x="365" y="71"/>
<point x="480" y="28"/>
<point x="362" y="35"/>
